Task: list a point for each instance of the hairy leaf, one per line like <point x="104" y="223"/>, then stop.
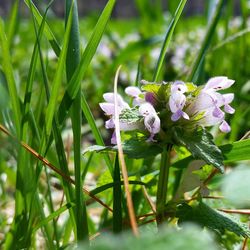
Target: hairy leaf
<point x="200" y="143"/>
<point x="208" y="217"/>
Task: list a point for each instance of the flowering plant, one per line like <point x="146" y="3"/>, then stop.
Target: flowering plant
<point x="175" y="113"/>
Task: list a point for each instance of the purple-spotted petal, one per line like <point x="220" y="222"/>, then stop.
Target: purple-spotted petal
<point x="152" y="123"/>
<point x="224" y="127"/>
<point x="178" y="86"/>
<point x="217" y="112"/>
<point x="228" y="109"/>
<point x="132" y="91"/>
<point x="146" y="109"/>
<point x="219" y="82"/>
<point x="176" y="116"/>
<point x="176" y="101"/>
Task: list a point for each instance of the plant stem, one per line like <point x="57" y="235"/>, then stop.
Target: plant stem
<point x="162" y="187"/>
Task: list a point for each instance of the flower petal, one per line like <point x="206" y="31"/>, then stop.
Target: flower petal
<point x="132" y="91"/>
<point x="110" y="98"/>
<point x="219" y="82"/>
<point x="109" y="123"/>
<point x="228" y="98"/>
<point x="185" y="115"/>
<point x="108" y="108"/>
<point x="146" y="109"/>
<point x="218" y="113"/>
<point x="179" y="86"/>
<point x="176" y="101"/>
<point x="113" y="138"/>
<point x="152" y="123"/>
<point x="176" y="116"/>
<point x="224" y="127"/>
<point x="228" y="109"/>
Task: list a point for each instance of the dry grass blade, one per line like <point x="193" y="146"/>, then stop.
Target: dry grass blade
<point x="51" y="166"/>
<point x="122" y="162"/>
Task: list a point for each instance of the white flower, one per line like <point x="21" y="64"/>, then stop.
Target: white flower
<point x="177" y="101"/>
<point x="210" y="103"/>
<point x="151" y="120"/>
<point x="135" y="92"/>
<point x="109" y="108"/>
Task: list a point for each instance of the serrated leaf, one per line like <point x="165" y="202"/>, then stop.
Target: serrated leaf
<point x="215" y="220"/>
<point x="132" y="148"/>
<point x="200" y="143"/>
<point x="237" y="151"/>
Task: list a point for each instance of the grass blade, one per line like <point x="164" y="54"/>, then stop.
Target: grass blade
<point x="87" y="56"/>
<point x="117" y="202"/>
<point x="50" y="112"/>
<point x="49" y="34"/>
<point x="206" y="42"/>
<point x="167" y="39"/>
<point x="53" y="215"/>
<point x="13" y="22"/>
<point x="72" y="61"/>
<point x="8" y="71"/>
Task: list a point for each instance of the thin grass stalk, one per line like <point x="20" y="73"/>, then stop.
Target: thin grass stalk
<point x="122" y="162"/>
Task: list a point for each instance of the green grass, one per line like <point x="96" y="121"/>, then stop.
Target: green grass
<point x="53" y="73"/>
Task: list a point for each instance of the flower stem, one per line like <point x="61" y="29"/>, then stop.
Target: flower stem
<point x="163" y="184"/>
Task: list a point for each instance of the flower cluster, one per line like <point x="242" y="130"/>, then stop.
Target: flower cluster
<point x="159" y="107"/>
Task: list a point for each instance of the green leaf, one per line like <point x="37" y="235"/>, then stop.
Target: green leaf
<point x="237" y="151"/>
<point x="132" y="148"/>
<point x="208" y="217"/>
<point x="200" y="143"/>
